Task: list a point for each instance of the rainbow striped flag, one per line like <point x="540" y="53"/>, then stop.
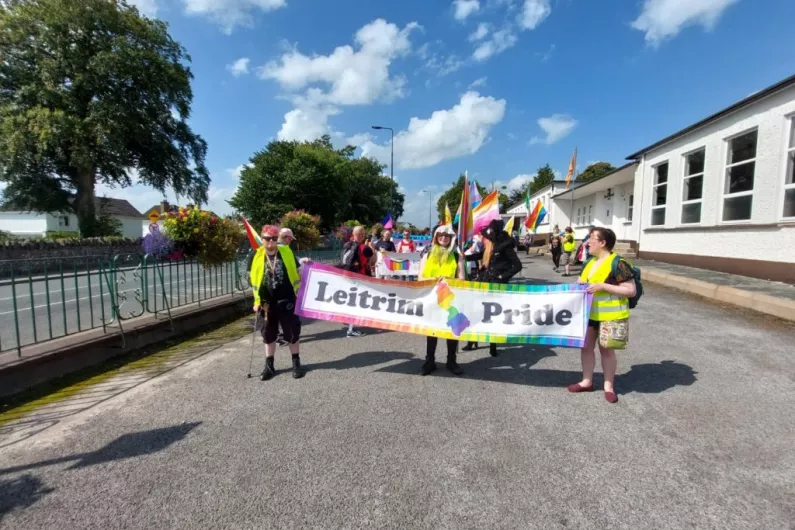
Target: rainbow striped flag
<point x="397" y="265"/>
<point x="535" y="217"/>
<point x="474" y="194"/>
<point x="253" y="236"/>
<point x="486" y="211"/>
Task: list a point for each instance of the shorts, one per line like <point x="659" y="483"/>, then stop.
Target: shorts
<point x="593" y="324"/>
<point x="566" y="258"/>
<point x="281" y="314"/>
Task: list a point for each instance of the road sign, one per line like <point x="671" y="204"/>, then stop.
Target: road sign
<point x="154" y="216"/>
<point x="154" y="227"/>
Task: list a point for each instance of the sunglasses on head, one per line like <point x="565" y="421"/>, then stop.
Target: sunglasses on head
<point x="270" y="238"/>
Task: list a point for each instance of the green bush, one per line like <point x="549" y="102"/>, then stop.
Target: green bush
<point x="55" y="234"/>
<point x="304" y="227"/>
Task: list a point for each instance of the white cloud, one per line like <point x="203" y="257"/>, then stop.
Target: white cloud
<point x="480" y="33"/>
<point x="499" y="42"/>
<point x="306" y="123"/>
<point x="358" y="77"/>
<point x="556" y="127"/>
<point x="359" y="139"/>
<point x="518" y="181"/>
<point x="533" y="13"/>
<point x="545" y="56"/>
<point x="239" y="67"/>
<point x="437" y="62"/>
<point x="146" y="7"/>
<point x="231" y="13"/>
<point x="464" y="8"/>
<point x="663" y="19"/>
<point x="236" y="171"/>
<point x="447" y="134"/>
<point x="418" y="205"/>
<point x="478" y="82"/>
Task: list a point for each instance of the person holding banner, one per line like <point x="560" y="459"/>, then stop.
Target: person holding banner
<point x="356" y="257"/>
<point x="442" y="261"/>
<point x="406" y="244"/>
<point x="610" y="279"/>
<point x="275" y="280"/>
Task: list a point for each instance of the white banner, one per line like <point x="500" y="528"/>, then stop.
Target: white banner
<point x="516" y="313"/>
<point x="397" y="264"/>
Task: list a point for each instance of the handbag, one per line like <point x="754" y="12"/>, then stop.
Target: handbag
<point x="614" y="334"/>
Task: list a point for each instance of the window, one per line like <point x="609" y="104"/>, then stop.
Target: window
<point x="631" y="207"/>
<point x="63" y="221"/>
<point x="693" y="187"/>
<point x="738" y="190"/>
<point x="789" y="178"/>
<point x="579" y="218"/>
<point x="590" y="214"/>
<point x="659" y="194"/>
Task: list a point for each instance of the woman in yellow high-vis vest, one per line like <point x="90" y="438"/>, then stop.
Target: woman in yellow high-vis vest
<point x="611" y="288"/>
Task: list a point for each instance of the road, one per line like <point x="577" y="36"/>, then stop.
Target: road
<point x="702" y="437"/>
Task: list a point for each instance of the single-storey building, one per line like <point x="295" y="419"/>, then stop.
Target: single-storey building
<point x="545" y="194"/>
<point x="720" y="194"/>
<point x="33" y="224"/>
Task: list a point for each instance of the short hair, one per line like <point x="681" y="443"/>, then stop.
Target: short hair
<point x="270" y="230"/>
<point x="568" y="229"/>
<point x="606" y="235"/>
<point x="358" y="229"/>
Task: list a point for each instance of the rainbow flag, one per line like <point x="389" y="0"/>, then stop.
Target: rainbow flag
<point x="486" y="211"/>
<point x="253" y="236"/>
<point x="474" y="194"/>
<point x="397" y="265"/>
<point x="387" y="222"/>
<point x="535" y="217"/>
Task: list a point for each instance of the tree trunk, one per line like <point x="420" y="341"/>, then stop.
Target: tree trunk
<point x="84" y="204"/>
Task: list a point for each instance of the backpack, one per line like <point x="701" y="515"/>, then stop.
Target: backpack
<point x="635" y="276"/>
<point x="348" y="255"/>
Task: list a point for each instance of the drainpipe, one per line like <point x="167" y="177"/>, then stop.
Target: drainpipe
<point x="642" y="201"/>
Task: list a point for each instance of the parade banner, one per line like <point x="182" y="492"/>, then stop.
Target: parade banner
<point x="453" y="309"/>
<point x="397" y="264"/>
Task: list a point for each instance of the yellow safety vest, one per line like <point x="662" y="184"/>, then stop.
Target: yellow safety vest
<point x="447" y="269"/>
<point x="605" y="306"/>
<point x="258" y="270"/>
<point x="568" y="246"/>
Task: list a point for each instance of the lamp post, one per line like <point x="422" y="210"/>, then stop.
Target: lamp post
<point x="430" y="208"/>
<point x="391" y="160"/>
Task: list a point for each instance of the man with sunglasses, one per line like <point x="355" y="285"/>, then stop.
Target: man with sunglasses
<point x="275" y="280"/>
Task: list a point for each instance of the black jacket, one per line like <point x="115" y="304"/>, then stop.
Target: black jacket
<point x="504" y="263"/>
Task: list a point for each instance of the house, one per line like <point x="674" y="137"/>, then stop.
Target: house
<point x="162" y="209"/>
<point x="32" y="224"/>
<point x="605" y="201"/>
<point x="545" y="194"/>
<point x="720" y="194"/>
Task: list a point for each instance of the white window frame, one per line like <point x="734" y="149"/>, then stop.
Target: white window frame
<point x="725" y="174"/>
<point x="654" y="186"/>
<point x="789" y="151"/>
<point x="63" y="221"/>
<point x="590" y="214"/>
<point x="630" y="207"/>
<point x="685" y="178"/>
<point x="579" y="217"/>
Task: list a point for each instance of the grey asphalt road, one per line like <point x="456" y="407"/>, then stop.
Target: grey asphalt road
<point x="81" y="301"/>
<point x="702" y="437"/>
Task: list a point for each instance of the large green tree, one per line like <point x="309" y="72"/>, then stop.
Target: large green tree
<point x="315" y="177"/>
<point x="90" y="91"/>
<point x="452" y="197"/>
<point x="594" y="171"/>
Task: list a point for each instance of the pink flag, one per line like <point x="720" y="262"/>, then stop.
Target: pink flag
<point x="486" y="211"/>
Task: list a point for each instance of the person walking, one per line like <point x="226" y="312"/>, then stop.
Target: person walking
<point x="612" y="285"/>
<point x="356" y="256"/>
<point x="275" y="280"/>
<point x="442" y="261"/>
<point x="385" y="244"/>
<point x="406" y="244"/>
<point x="555" y="250"/>
<point x="286" y="237"/>
<point x="568" y="250"/>
<point x="499" y="262"/>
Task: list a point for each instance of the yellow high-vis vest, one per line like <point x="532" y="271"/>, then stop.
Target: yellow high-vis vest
<point x="258" y="270"/>
<point x="568" y="246"/>
<point x="605" y="306"/>
<point x="448" y="269"/>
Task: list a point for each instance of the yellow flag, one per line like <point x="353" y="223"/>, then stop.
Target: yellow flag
<point x="448" y="217"/>
<point x="509" y="225"/>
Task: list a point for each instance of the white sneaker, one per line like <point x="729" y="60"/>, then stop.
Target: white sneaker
<point x="355" y="333"/>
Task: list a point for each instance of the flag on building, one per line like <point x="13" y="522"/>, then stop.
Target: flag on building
<point x="572" y="167"/>
<point x="387" y="222"/>
<point x="253" y="236"/>
<point x="509" y="226"/>
<point x="535" y="217"/>
<point x="486" y="211"/>
<point x="448" y="217"/>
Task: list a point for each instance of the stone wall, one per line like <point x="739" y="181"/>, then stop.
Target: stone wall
<point x="34" y="256"/>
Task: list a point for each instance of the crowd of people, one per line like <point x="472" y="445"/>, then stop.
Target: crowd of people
<point x="490" y="257"/>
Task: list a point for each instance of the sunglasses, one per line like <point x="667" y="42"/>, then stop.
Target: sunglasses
<point x="270" y="238"/>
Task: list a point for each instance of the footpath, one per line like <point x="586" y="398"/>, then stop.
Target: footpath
<point x="772" y="298"/>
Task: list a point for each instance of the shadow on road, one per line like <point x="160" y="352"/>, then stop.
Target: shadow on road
<point x="340" y="334"/>
<point x="20" y="492"/>
<point x="361" y="360"/>
<point x="125" y="446"/>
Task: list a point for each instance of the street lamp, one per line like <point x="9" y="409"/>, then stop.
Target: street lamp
<point x="430" y="202"/>
<point x="391" y="161"/>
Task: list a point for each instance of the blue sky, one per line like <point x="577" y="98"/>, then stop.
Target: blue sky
<point x="495" y="87"/>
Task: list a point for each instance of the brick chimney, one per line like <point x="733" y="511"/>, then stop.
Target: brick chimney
<point x="164" y="207"/>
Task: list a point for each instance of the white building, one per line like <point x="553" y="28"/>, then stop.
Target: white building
<point x="32" y="224"/>
<point x="605" y="201"/>
<point x="720" y="194"/>
<point x="545" y="194"/>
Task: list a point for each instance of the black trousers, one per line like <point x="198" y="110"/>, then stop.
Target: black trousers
<point x="556" y="258"/>
<point x="430" y="349"/>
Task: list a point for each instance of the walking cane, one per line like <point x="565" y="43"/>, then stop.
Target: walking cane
<point x="258" y="323"/>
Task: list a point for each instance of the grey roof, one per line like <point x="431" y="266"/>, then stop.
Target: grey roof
<point x="753" y="98"/>
<point x="115" y="207"/>
<point x="584" y="184"/>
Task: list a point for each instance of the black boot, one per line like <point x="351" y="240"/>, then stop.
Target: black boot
<point x="269" y="370"/>
<point x="430" y="365"/>
<point x="298" y="372"/>
<point x="470" y="346"/>
<point x="452" y="365"/>
<point x="493" y="350"/>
